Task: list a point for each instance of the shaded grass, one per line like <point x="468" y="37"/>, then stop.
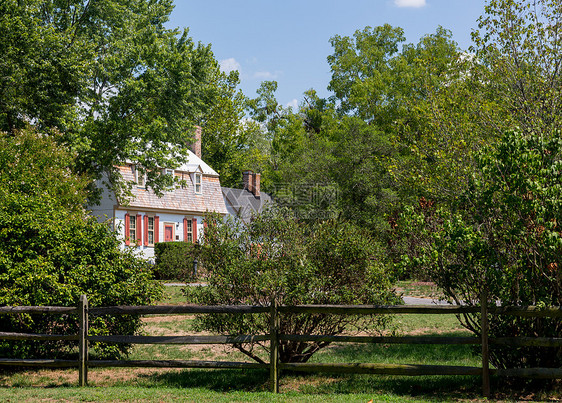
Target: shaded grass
<point x="195" y="394"/>
<point x="173" y="295"/>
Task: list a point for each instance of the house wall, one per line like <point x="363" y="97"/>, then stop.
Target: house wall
<point x="104" y="211"/>
<point x="164" y="218"/>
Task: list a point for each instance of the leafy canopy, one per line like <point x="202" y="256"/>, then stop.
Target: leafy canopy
<point x="109" y="76"/>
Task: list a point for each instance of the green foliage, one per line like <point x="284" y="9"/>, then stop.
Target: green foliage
<point x="518" y="45"/>
<point x="174" y="260"/>
<point x="52" y="252"/>
<point x="108" y="75"/>
<point x="278" y="257"/>
<point x="505" y="238"/>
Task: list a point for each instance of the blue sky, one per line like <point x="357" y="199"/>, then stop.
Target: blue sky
<point x="288" y="41"/>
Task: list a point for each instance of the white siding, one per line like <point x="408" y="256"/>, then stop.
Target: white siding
<point x="164" y="218"/>
<point x="104" y="211"/>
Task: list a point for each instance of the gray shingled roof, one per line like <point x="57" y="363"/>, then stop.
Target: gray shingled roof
<point x="244" y="202"/>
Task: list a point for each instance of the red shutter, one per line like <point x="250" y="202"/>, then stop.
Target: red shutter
<point x="185" y="229"/>
<point x="127" y="242"/>
<point x="156" y="229"/>
<point x="145" y="230"/>
<point x="139" y="229"/>
<point x="194" y="228"/>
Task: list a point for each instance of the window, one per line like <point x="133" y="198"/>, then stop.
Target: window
<point x="140" y="177"/>
<point x="168" y="171"/>
<point x="189" y="231"/>
<point x="198" y="183"/>
<point x="150" y="230"/>
<point x="133" y="228"/>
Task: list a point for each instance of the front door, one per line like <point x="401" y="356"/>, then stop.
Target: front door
<point x="168" y="232"/>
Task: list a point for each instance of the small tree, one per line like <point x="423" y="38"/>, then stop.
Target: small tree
<point x="277" y="257"/>
<point x="51" y="252"/>
<point x="505" y="237"/>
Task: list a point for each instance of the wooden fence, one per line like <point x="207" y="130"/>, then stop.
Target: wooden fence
<point x="274" y="337"/>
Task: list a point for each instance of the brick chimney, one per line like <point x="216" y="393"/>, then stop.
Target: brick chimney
<point x="256" y="186"/>
<point x="248" y="181"/>
<point x="196" y="145"/>
<point x="251" y="182"/>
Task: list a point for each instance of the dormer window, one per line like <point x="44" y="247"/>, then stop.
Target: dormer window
<point x="198" y="182"/>
<point x="140" y="177"/>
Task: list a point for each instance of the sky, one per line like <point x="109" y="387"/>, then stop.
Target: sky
<point x="289" y="41"/>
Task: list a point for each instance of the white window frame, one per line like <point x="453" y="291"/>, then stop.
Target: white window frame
<point x="133" y="228"/>
<point x="148" y="230"/>
<point x="189" y="230"/>
<point x="140" y="180"/>
<point x="198" y="185"/>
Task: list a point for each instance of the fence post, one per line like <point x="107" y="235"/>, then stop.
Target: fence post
<point x="82" y="341"/>
<point x="485" y="350"/>
<point x="274" y="347"/>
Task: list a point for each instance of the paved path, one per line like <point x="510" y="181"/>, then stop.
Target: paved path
<point x="422" y="301"/>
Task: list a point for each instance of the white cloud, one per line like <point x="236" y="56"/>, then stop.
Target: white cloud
<point x="228" y="65"/>
<point x="293" y="104"/>
<point x="264" y="75"/>
<point x="410" y="3"/>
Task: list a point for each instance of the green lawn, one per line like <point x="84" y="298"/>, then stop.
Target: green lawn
<point x="147" y="385"/>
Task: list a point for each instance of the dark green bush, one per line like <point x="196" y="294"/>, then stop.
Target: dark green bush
<point x="174" y="260"/>
<point x="51" y="252"/>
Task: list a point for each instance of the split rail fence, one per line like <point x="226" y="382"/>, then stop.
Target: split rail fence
<point x="275" y="337"/>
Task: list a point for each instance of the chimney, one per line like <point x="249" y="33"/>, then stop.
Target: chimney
<point x="196" y="145"/>
<point x="251" y="182"/>
<point x="256" y="185"/>
<point x="248" y="181"/>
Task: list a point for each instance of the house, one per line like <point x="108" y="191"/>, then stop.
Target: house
<point x="243" y="203"/>
<point x="147" y="219"/>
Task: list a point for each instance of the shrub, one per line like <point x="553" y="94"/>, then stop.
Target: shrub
<point x="278" y="257"/>
<point x="174" y="260"/>
<point x="52" y="252"/>
<point x="506" y="237"/>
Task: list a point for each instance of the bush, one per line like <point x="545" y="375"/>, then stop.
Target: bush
<point x="506" y="237"/>
<point x="52" y="252"/>
<point x="278" y="257"/>
<point x="174" y="260"/>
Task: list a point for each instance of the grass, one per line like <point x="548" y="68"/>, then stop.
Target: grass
<point x="195" y="385"/>
<point x="422" y="289"/>
<point x="173" y="295"/>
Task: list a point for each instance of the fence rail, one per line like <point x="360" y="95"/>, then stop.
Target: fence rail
<point x="275" y="337"/>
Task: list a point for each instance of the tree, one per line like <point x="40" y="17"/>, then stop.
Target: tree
<point x="278" y="258"/>
<point x="224" y="135"/>
<point x="510" y="79"/>
<point x="52" y="252"/>
<point x="506" y="238"/>
<point x="519" y="53"/>
<point x="398" y="151"/>
<point x="109" y="76"/>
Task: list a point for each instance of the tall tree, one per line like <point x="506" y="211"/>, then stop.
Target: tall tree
<point x="107" y="74"/>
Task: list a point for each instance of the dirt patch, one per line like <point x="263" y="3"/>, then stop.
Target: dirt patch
<point x="167" y="318"/>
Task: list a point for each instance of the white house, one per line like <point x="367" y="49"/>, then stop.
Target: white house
<point x="175" y="216"/>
